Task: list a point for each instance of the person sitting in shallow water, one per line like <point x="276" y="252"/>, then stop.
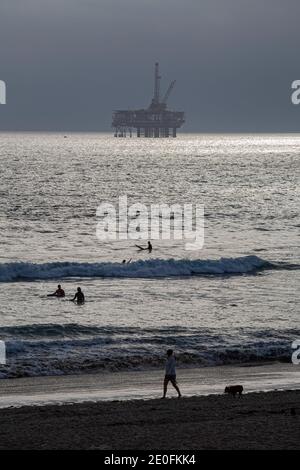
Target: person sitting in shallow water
<point x="58" y="293"/>
<point x="79" y="296"/>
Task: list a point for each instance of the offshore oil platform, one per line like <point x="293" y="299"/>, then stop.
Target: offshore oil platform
<point x="155" y="121"/>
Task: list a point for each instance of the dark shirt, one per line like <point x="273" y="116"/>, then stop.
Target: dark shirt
<point x="79" y="296"/>
<point x="60" y="293"/>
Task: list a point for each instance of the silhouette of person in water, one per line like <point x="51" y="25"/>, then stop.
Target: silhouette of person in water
<point x="170" y="373"/>
<point x="58" y="293"/>
<point x="148" y="247"/>
<point x="79" y="296"/>
<point x="124" y="261"/>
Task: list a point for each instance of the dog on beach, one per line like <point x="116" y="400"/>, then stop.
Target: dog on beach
<point x="234" y="389"/>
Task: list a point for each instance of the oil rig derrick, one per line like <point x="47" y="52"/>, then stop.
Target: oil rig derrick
<point x="155" y="121"/>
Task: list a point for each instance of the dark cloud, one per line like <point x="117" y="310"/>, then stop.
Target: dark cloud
<point x="68" y="64"/>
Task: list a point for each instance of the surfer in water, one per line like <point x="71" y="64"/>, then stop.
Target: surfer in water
<point x="149" y="247"/>
<point x="79" y="297"/>
<point x="58" y="293"/>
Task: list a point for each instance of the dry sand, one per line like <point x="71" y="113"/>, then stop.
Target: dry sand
<point x="255" y="421"/>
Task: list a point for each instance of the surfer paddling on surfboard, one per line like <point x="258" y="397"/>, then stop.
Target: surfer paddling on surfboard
<point x="58" y="293"/>
<point x="149" y="247"/>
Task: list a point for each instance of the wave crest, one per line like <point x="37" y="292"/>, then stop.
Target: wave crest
<point x="137" y="269"/>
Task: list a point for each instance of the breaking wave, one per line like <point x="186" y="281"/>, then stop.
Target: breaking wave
<point x="152" y="268"/>
<point x="50" y="349"/>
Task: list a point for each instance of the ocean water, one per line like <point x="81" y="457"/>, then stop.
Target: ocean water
<point x="234" y="301"/>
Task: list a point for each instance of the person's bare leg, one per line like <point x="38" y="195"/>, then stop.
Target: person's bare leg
<point x="176" y="388"/>
<point x="165" y="388"/>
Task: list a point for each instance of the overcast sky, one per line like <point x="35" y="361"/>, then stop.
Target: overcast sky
<point x="68" y="63"/>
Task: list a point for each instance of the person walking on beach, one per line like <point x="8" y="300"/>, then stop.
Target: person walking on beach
<point x="79" y="296"/>
<point x="58" y="293"/>
<point x="170" y="373"/>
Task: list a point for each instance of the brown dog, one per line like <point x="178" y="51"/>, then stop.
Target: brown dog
<point x="234" y="389"/>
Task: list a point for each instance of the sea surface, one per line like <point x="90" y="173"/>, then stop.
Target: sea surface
<point x="234" y="301"/>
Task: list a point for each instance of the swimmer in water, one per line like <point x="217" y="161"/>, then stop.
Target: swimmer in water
<point x="79" y="297"/>
<point x="58" y="293"/>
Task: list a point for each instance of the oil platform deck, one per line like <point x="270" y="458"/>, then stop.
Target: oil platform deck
<point x="155" y="121"/>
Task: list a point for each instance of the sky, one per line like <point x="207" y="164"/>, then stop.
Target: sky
<point x="68" y="64"/>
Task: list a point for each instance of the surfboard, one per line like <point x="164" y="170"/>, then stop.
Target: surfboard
<point x="141" y="247"/>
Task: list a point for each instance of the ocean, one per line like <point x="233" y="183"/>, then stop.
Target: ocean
<point x="232" y="302"/>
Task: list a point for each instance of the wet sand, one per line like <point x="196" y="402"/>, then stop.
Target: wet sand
<point x="269" y="420"/>
<point x="145" y="384"/>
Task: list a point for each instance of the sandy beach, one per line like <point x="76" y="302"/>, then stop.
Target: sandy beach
<point x="256" y="421"/>
<point x="149" y="222"/>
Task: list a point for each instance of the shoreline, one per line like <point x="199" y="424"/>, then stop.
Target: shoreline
<point x="214" y="422"/>
<point x="145" y="384"/>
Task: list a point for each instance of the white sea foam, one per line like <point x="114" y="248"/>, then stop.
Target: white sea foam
<point x="52" y="349"/>
<point x="138" y="269"/>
